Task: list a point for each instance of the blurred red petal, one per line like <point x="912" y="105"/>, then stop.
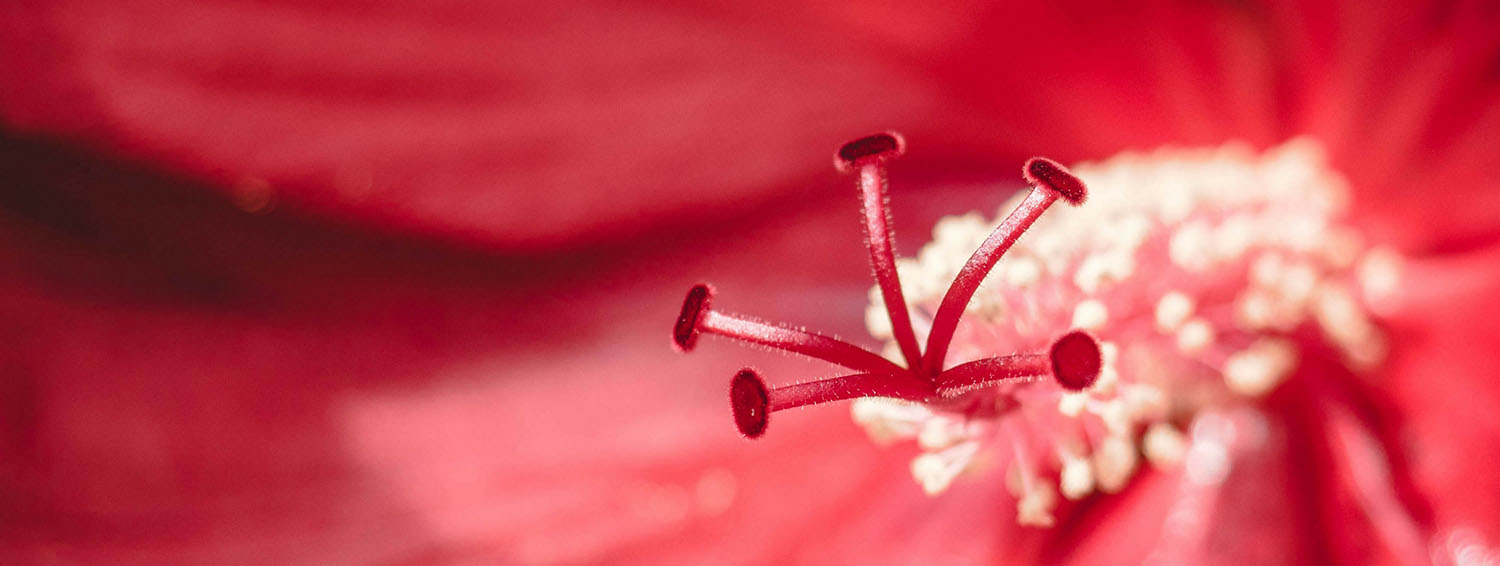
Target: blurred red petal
<point x="1442" y="383"/>
<point x="520" y="125"/>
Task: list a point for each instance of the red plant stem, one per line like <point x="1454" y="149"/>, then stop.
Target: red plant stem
<point x="992" y="371"/>
<point x="895" y="385"/>
<point x="797" y="341"/>
<point x="872" y="186"/>
<point x="957" y="299"/>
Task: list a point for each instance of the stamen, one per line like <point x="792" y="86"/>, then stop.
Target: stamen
<point x="753" y="403"/>
<point x="1050" y="181"/>
<point x="697" y="316"/>
<point x="868" y="156"/>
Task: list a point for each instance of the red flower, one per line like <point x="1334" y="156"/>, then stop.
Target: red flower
<point x="376" y="283"/>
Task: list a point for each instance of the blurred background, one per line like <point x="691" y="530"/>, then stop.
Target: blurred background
<point x="300" y="282"/>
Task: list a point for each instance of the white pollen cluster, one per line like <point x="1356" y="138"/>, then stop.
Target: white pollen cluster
<point x="1205" y="273"/>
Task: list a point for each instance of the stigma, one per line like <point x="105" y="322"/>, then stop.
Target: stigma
<point x="1185" y="282"/>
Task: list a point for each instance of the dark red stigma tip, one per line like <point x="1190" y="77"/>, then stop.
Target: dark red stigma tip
<point x="1076" y="360"/>
<point x="1051" y="174"/>
<point x="750" y="402"/>
<point x="869" y="149"/>
<point x="685" y="331"/>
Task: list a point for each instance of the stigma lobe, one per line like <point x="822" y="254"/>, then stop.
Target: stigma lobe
<point x="685" y="331"/>
<point x="1076" y="360"/>
<point x="751" y="403"/>
<point x="871" y="149"/>
<point x="1046" y="172"/>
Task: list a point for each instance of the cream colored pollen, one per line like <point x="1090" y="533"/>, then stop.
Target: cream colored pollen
<point x="1258" y="369"/>
<point x="1022" y="272"/>
<point x="1072" y="404"/>
<point x="1138" y="265"/>
<point x="1164" y="445"/>
<point x="1114" y="462"/>
<point x="1172" y="310"/>
<point x="1191" y="246"/>
<point x="935" y="471"/>
<point x="1195" y="336"/>
<point x="887" y="420"/>
<point x="1034" y="508"/>
<point x="1076" y="480"/>
<point x="1090" y="314"/>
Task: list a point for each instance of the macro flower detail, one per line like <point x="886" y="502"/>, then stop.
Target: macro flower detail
<point x="1073" y="358"/>
<point x="1188" y="289"/>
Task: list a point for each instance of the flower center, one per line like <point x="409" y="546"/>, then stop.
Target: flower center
<point x="1191" y="282"/>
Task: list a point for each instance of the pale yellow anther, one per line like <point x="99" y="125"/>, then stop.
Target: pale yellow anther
<point x="1346" y="325"/>
<point x="1144" y="402"/>
<point x="1195" y="337"/>
<point x="1258" y="369"/>
<point x="1266" y="270"/>
<point x="935" y="471"/>
<point x="1110" y="352"/>
<point x="1072" y="404"/>
<point x="940" y="432"/>
<point x="1114" y="462"/>
<point x="1090" y="314"/>
<point x="1115" y="414"/>
<point x="1022" y="272"/>
<point x="1164" y="445"/>
<point x="1076" y="479"/>
<point x="1254" y="310"/>
<point x="1234" y="236"/>
<point x="1172" y="310"/>
<point x="1191" y="246"/>
<point x="1034" y="508"/>
<point x="1109" y="378"/>
<point x="1297" y="284"/>
<point x="1090" y="275"/>
<point x="887" y="420"/>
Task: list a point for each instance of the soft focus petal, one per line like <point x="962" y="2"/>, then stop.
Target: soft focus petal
<point x="1444" y="388"/>
<point x="522" y="124"/>
<point x="527" y="126"/>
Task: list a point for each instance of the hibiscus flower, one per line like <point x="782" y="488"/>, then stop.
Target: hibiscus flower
<point x="330" y="283"/>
